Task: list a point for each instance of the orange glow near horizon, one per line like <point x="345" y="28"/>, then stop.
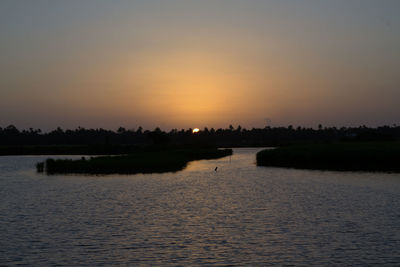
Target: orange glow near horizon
<point x="191" y="63"/>
<point x="184" y="87"/>
<point x="195" y="130"/>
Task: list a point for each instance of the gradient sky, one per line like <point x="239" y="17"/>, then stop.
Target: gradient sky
<point x="183" y="63"/>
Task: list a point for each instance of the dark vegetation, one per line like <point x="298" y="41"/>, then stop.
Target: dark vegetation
<point x="146" y="161"/>
<point x="343" y="156"/>
<point x="68" y="150"/>
<point x="346" y="148"/>
<point x="122" y="141"/>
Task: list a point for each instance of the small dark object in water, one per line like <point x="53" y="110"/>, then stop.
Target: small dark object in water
<point x="216" y="168"/>
<point x="40" y="167"/>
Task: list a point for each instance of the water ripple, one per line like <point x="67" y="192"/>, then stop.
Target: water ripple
<point x="239" y="216"/>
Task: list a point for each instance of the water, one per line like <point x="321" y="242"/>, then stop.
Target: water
<point x="239" y="215"/>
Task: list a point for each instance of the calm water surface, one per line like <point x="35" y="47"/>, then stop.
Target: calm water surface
<point x="239" y="215"/>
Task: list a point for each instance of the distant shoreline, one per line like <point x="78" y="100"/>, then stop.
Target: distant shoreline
<point x="106" y="142"/>
<point x="68" y="150"/>
<point x="92" y="150"/>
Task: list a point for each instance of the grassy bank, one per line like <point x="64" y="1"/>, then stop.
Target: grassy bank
<point x="374" y="156"/>
<point x="169" y="160"/>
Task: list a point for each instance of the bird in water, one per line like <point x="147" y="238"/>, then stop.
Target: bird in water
<point x="216" y="168"/>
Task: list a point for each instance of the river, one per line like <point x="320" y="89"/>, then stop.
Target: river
<point x="240" y="214"/>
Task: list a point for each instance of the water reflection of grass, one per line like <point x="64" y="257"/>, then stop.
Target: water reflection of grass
<point x="374" y="156"/>
<point x="170" y="160"/>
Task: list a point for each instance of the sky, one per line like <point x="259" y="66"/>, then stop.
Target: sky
<point x="191" y="63"/>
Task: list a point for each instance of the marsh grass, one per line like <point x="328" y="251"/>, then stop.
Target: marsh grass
<point x="345" y="156"/>
<point x="170" y="160"/>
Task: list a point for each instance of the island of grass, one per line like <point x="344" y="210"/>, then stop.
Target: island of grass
<point x="344" y="156"/>
<point x="155" y="161"/>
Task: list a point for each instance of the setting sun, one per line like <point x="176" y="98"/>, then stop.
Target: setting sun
<point x="196" y="130"/>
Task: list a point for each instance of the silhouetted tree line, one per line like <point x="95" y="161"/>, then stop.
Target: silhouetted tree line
<point x="231" y="136"/>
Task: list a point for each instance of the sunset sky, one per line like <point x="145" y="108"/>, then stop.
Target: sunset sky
<point x="181" y="64"/>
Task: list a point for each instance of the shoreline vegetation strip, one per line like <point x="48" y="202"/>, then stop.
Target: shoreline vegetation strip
<point x="139" y="162"/>
<point x="375" y="156"/>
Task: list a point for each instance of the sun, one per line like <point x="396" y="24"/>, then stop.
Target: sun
<point x="195" y="130"/>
